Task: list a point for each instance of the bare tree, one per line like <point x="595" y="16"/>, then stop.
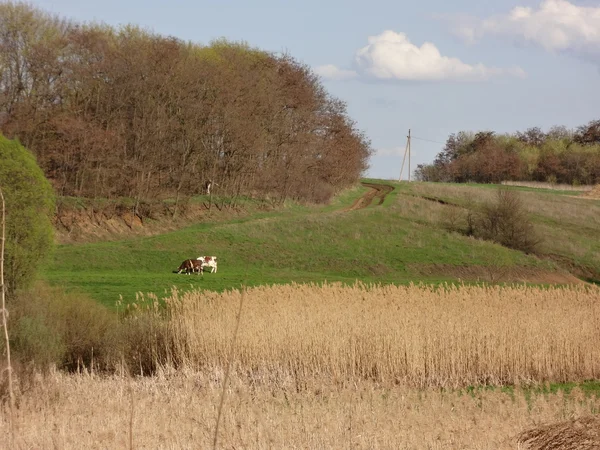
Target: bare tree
<point x="126" y="112"/>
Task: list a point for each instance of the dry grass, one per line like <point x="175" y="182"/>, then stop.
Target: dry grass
<point x="333" y="367"/>
<point x="415" y="336"/>
<point x="179" y="412"/>
<point x="554" y="186"/>
<point x="594" y="193"/>
<point x="576" y="434"/>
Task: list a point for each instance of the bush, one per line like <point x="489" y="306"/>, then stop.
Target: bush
<point x="70" y="331"/>
<point x="49" y="327"/>
<point x="506" y="222"/>
<point x="29" y="208"/>
<point x="35" y="343"/>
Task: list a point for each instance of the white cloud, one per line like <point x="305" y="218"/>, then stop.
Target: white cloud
<point x="391" y="56"/>
<point x="332" y="72"/>
<point x="556" y="25"/>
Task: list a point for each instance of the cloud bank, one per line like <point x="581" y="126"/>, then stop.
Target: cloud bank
<point x="391" y="56"/>
<point x="556" y="25"/>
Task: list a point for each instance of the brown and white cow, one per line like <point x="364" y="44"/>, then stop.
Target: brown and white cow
<point x="208" y="261"/>
<point x="190" y="266"/>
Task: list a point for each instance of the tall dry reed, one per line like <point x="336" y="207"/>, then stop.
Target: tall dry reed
<point x="420" y="336"/>
<point x="177" y="411"/>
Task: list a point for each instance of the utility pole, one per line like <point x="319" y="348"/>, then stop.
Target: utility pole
<point x="406" y="150"/>
<point x="409" y="155"/>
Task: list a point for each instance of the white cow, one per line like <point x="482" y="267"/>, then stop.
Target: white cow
<point x="208" y="261"/>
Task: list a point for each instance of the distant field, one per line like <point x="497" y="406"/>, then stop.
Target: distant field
<point x="399" y="241"/>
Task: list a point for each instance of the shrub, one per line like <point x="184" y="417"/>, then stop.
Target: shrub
<point x="70" y="331"/>
<point x="35" y="343"/>
<point x="29" y="208"/>
<point x="52" y="328"/>
<point x="506" y="222"/>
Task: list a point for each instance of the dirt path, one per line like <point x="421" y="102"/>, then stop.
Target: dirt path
<point x="377" y="191"/>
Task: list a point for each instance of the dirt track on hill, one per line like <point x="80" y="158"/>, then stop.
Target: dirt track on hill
<point x="377" y="191"/>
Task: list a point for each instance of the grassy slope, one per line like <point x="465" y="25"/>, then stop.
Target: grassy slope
<point x="569" y="226"/>
<point x="386" y="243"/>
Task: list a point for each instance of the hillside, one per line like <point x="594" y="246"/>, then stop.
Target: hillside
<point x="399" y="238"/>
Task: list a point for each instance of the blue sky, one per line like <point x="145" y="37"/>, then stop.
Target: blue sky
<point x="434" y="66"/>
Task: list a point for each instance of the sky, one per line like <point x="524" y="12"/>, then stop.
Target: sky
<point x="435" y="67"/>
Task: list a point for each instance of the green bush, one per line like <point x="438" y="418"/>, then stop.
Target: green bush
<point x="29" y="209"/>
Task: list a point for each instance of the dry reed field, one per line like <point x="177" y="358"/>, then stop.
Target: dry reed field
<point x="179" y="412"/>
<point x="362" y="367"/>
<point x="451" y="336"/>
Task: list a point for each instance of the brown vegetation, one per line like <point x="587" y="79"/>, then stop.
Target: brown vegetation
<point x="417" y="336"/>
<point x="558" y="156"/>
<point x="552" y="186"/>
<point x="505" y="220"/>
<point x="594" y="193"/>
<point x="179" y="411"/>
<point x="128" y="113"/>
<point x="576" y="434"/>
<point x="313" y="366"/>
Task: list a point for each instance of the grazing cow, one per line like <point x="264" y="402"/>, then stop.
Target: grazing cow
<point x="190" y="266"/>
<point x="208" y="261"/>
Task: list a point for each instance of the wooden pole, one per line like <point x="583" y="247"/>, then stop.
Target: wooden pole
<point x="406" y="150"/>
<point x="409" y="155"/>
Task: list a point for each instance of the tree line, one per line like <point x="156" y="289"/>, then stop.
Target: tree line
<point x="559" y="155"/>
<point x="124" y="112"/>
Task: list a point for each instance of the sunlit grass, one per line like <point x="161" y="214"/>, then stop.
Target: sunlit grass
<point x="400" y="241"/>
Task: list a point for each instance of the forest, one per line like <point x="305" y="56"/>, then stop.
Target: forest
<point x="113" y="113"/>
<point x="559" y="155"/>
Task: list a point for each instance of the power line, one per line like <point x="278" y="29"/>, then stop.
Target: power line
<point x="429" y="140"/>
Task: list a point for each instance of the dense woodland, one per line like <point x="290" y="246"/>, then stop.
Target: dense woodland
<point x="128" y="113"/>
<point x="559" y="155"/>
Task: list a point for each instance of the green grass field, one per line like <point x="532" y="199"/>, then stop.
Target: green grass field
<point x="399" y="241"/>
